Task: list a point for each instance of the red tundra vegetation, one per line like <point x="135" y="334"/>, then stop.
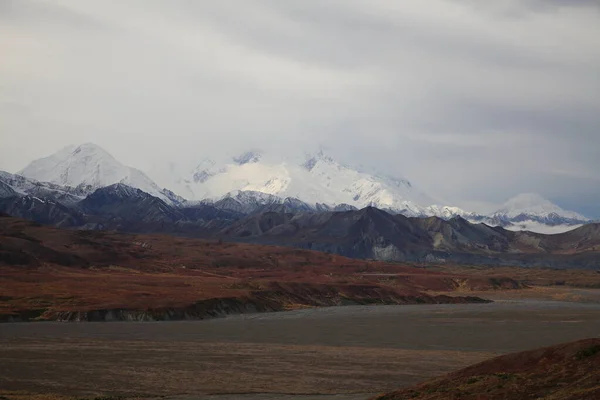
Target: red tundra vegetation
<point x="564" y="372"/>
<point x="54" y="274"/>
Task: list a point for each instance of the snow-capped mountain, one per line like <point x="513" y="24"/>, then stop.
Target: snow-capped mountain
<point x="534" y="207"/>
<point x="524" y="212"/>
<point x="91" y="167"/>
<point x="530" y="211"/>
<point x="447" y="212"/>
<point x="318" y="179"/>
<point x="253" y="182"/>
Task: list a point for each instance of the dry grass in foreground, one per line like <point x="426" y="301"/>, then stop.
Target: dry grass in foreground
<point x="565" y="372"/>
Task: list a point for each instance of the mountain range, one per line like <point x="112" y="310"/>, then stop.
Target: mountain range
<point x="369" y="233"/>
<point x="257" y="217"/>
<point x="254" y="182"/>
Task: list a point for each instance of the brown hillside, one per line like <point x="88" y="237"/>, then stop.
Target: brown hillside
<point x="564" y="372"/>
<point x="50" y="273"/>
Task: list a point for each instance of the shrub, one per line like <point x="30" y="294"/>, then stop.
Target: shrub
<point x="588" y="352"/>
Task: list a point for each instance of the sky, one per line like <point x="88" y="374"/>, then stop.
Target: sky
<point x="472" y="101"/>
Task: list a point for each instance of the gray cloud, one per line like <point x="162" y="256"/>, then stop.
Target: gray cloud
<point x="472" y="101"/>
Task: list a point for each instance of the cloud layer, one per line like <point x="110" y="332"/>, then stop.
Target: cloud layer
<point x="473" y="102"/>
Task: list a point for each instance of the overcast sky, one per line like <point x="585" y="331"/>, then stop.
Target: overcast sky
<point x="472" y="101"/>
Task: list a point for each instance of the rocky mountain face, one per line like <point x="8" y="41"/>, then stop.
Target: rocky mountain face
<point x="128" y="209"/>
<point x="530" y="211"/>
<point x="375" y="234"/>
<point x="42" y="211"/>
<point x="127" y="203"/>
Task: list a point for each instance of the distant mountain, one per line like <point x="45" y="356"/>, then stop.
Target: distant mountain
<point x="90" y="166"/>
<point x="43" y="202"/>
<point x="524" y="212"/>
<point x="447" y="212"/>
<point x="252" y="202"/>
<point x="129" y="204"/>
<point x="128" y="209"/>
<point x="42" y="211"/>
<point x="375" y="234"/>
<point x="529" y="208"/>
<point x="254" y="182"/>
<point x="318" y="179"/>
<point x="371" y="233"/>
<point x="530" y="212"/>
<point x="534" y="206"/>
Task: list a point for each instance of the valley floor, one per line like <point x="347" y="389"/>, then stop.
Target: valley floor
<point x="352" y="351"/>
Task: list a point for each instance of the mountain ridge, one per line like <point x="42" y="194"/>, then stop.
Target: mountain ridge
<point x="368" y="233"/>
<point x="254" y="182"/>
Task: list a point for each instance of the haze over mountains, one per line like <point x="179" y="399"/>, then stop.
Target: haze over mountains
<point x="253" y="180"/>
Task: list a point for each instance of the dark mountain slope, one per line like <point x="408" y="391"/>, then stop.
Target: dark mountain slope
<point x="375" y="234"/>
<point x="43" y="211"/>
<point x="457" y="234"/>
<point x="123" y="208"/>
<point x="6" y="190"/>
<point x="585" y="238"/>
<point x="565" y="372"/>
<point x="124" y="202"/>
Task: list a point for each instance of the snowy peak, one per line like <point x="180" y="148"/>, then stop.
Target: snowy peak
<point x="248" y="157"/>
<point x="534" y="206"/>
<point x="447" y="212"/>
<point x="313" y="160"/>
<point x="525" y="212"/>
<point x="320" y="179"/>
<point x="88" y="165"/>
<point x="204" y="171"/>
<point x="92" y="151"/>
<point x="252" y="197"/>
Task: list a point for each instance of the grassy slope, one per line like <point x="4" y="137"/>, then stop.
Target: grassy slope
<point x="565" y="372"/>
<point x="45" y="269"/>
